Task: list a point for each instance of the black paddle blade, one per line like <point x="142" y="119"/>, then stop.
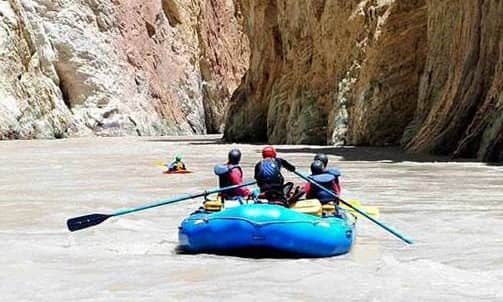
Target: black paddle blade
<point x="82" y="222"/>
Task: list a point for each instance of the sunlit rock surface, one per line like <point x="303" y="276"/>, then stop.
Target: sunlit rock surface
<point x="426" y="75"/>
<point x="117" y="67"/>
<point x="330" y="72"/>
<point x="423" y="74"/>
<point x="460" y="104"/>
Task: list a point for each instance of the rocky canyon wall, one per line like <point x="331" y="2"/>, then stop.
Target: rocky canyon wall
<point x="460" y="101"/>
<point x="330" y="71"/>
<point x="423" y="74"/>
<point x="85" y="67"/>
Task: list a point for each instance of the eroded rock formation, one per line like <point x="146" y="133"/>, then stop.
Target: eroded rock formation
<point x="31" y="103"/>
<point x="84" y="67"/>
<point x="330" y="71"/>
<point x="421" y="73"/>
<point x="426" y="74"/>
<point x="460" y="104"/>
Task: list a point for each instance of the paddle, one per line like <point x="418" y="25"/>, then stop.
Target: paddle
<point x="372" y="211"/>
<point x="387" y="228"/>
<point x="160" y="163"/>
<point x="82" y="222"/>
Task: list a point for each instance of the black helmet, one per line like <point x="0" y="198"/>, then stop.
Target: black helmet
<point x="234" y="156"/>
<point x="317" y="167"/>
<point x="322" y="157"/>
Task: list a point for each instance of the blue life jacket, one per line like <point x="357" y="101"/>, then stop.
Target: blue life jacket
<point x="333" y="171"/>
<point x="224" y="172"/>
<point x="326" y="180"/>
<point x="224" y="180"/>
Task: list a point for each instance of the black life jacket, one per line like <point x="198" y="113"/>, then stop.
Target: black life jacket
<point x="325" y="180"/>
<point x="268" y="175"/>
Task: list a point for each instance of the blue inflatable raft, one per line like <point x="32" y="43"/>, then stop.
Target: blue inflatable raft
<point x="264" y="228"/>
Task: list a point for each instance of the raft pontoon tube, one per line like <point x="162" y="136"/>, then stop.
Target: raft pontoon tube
<point x="265" y="227"/>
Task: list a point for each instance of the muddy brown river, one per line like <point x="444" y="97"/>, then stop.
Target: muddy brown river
<point x="453" y="210"/>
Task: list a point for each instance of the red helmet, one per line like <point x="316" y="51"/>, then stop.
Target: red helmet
<point x="269" y="151"/>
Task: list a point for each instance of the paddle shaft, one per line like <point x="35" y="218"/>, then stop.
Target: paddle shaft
<point x="82" y="222"/>
<point x="180" y="198"/>
<point x="387" y="228"/>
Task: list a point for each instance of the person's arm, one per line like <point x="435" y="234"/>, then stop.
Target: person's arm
<point x="171" y="165"/>
<point x="257" y="171"/>
<point x="336" y="187"/>
<point x="260" y="182"/>
<point x="307" y="187"/>
<point x="286" y="164"/>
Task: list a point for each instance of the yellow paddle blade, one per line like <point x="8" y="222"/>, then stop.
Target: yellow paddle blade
<point x="160" y="163"/>
<point x="307" y="206"/>
<point x="370" y="210"/>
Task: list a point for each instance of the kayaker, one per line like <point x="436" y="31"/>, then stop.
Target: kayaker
<point x="177" y="164"/>
<point x="333" y="171"/>
<point x="231" y="174"/>
<point x="269" y="178"/>
<point x="327" y="180"/>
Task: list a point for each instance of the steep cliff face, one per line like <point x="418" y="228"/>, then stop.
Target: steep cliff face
<point x="329" y="71"/>
<point x="383" y="99"/>
<point x="224" y="58"/>
<point x="82" y="67"/>
<point x="460" y="104"/>
<point x="31" y="103"/>
<point x="426" y="74"/>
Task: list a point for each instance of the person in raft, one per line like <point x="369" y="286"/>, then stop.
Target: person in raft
<point x="177" y="164"/>
<point x="333" y="171"/>
<point x="231" y="174"/>
<point x="269" y="178"/>
<point x="326" y="180"/>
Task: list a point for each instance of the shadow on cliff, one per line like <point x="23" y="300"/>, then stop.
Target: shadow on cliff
<point x="348" y="153"/>
<point x="225" y="143"/>
<point x="197" y="141"/>
<point x="393" y="154"/>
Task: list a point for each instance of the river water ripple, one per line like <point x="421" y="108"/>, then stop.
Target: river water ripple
<point x="454" y="211"/>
